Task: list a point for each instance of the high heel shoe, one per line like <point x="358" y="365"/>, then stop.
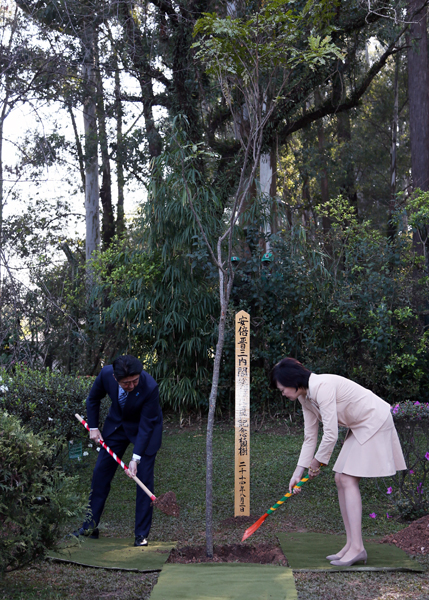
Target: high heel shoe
<point x="333" y="557"/>
<point x="347" y="563"/>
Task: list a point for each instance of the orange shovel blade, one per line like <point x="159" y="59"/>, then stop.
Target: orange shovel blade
<point x="254" y="527"/>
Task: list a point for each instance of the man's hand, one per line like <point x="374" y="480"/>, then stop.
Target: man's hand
<point x="132" y="469"/>
<point x="95" y="435"/>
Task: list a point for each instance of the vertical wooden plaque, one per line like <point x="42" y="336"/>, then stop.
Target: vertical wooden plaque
<point x="242" y="415"/>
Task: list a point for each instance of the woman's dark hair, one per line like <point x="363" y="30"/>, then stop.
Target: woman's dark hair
<point x="289" y="372"/>
<point x="126" y="366"/>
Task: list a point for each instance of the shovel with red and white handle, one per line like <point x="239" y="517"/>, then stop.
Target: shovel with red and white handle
<point x="166" y="502"/>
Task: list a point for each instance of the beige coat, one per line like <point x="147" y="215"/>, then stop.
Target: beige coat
<point x="334" y="401"/>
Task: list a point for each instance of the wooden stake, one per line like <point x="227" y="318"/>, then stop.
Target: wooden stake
<point x="242" y="415"/>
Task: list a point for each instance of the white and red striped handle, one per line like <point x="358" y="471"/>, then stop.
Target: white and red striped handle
<point x="118" y="460"/>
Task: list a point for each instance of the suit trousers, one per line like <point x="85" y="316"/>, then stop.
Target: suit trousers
<point x="102" y="476"/>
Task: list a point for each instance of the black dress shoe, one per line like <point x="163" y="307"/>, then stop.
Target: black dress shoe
<point x="140" y="541"/>
<point x="91" y="533"/>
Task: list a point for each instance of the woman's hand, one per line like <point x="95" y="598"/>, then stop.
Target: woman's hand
<point x="296" y="478"/>
<point x="314" y="468"/>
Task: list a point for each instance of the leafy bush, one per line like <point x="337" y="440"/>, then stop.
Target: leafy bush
<point x="343" y="303"/>
<point x="347" y="302"/>
<point x="36" y="499"/>
<point x="165" y="300"/>
<point x="46" y="400"/>
<point x="410" y="493"/>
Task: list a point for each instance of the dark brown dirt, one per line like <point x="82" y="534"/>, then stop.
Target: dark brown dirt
<point x="414" y="539"/>
<point x="264" y="554"/>
<point x="167" y="503"/>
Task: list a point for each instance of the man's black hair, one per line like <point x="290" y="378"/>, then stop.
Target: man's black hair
<point x="289" y="372"/>
<point x="126" y="366"/>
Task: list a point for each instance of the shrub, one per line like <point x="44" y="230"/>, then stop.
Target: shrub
<point x="345" y="302"/>
<point x="166" y="303"/>
<point x="36" y="499"/>
<point x="46" y="400"/>
<point x="409" y="488"/>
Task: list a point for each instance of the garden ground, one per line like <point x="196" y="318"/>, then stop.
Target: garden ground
<point x="181" y="468"/>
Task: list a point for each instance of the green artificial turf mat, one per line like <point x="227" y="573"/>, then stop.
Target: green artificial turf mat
<point x="114" y="553"/>
<point x="307" y="551"/>
<point x="224" y="581"/>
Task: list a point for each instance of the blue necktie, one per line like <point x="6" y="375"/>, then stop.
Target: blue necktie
<point x="122" y="397"/>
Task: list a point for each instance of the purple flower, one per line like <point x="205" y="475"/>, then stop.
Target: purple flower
<point x="411" y="472"/>
<point x="395" y="409"/>
<point x="417" y="403"/>
<point x="427" y="456"/>
<point x="373" y="515"/>
<point x="388" y="516"/>
<point x="389" y="490"/>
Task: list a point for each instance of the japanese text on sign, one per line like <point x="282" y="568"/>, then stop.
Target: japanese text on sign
<point x="242" y="414"/>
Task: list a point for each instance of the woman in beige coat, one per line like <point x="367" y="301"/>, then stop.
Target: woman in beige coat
<point x="371" y="448"/>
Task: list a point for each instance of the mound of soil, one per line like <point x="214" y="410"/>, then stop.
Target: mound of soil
<point x="414" y="539"/>
<point x="167" y="503"/>
<point x="263" y="554"/>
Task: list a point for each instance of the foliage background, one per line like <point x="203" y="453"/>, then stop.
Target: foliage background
<point x="37" y="498"/>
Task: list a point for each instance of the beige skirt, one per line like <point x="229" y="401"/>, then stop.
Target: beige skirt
<point x="380" y="456"/>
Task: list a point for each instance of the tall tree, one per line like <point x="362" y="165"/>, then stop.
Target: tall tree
<point x="88" y="37"/>
<point x="344" y="137"/>
<point x="418" y="100"/>
<point x="108" y="227"/>
<point x="120" y="221"/>
<point x="82" y="20"/>
<point x="391" y="229"/>
<point x="248" y="57"/>
<point x="24" y="69"/>
<point x="418" y="93"/>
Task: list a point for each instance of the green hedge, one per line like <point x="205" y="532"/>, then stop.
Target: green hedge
<point x="45" y="400"/>
<point x="36" y="498"/>
<point x="409" y="490"/>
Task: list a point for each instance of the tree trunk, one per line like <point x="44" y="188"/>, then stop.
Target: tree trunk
<point x="79" y="149"/>
<point x="344" y="137"/>
<point x="224" y="292"/>
<point x="120" y="220"/>
<point x="2" y="119"/>
<point x="418" y="102"/>
<point x="2" y="257"/>
<point x="92" y="216"/>
<point x="268" y="184"/>
<point x="3" y="115"/>
<point x="140" y="57"/>
<point x="391" y="227"/>
<point x="108" y="220"/>
<point x="418" y="95"/>
<point x="307" y="144"/>
<point x="324" y="182"/>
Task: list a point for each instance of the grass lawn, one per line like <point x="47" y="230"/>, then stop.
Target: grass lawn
<point x="180" y="467"/>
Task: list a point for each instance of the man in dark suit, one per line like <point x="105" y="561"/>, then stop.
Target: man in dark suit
<point x="134" y="417"/>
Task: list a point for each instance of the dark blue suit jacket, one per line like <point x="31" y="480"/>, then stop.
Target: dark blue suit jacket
<point x="141" y="416"/>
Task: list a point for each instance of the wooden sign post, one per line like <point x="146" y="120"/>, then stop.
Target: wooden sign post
<point x="242" y="415"/>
